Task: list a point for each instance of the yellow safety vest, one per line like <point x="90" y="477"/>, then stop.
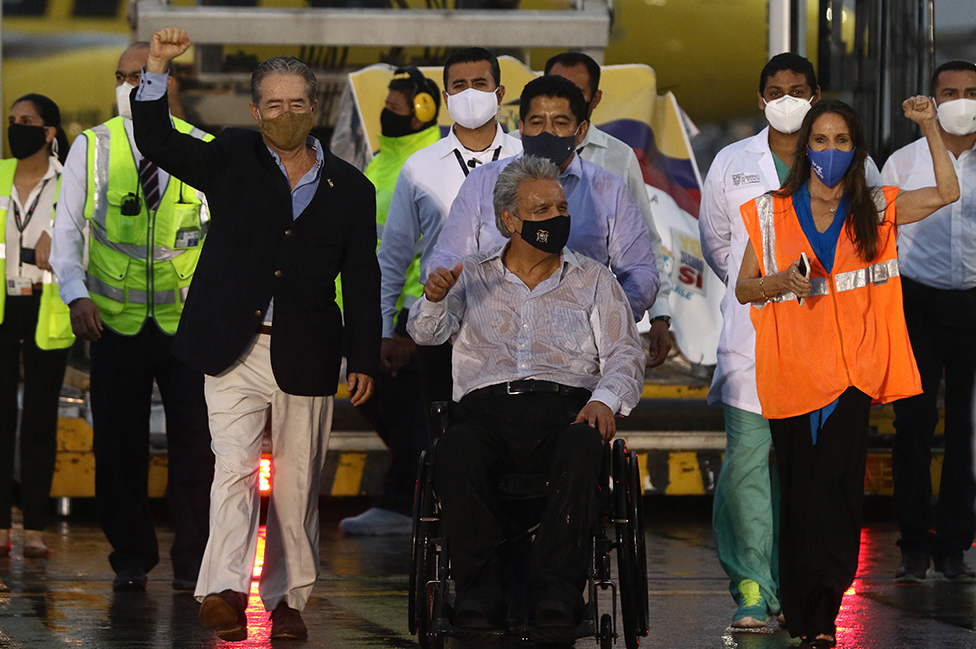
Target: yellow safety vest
<point x="140" y="266"/>
<point x="54" y="317"/>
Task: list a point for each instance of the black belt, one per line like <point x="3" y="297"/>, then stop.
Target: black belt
<point x="526" y="386"/>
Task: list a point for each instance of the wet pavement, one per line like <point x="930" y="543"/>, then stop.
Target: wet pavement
<point x="360" y="599"/>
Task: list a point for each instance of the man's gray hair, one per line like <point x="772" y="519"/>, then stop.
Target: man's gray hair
<point x="525" y="167"/>
<point x="283" y="65"/>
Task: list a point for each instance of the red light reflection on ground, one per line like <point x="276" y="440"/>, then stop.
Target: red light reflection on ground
<point x="258" y="619"/>
<point x="853" y="615"/>
<point x="264" y="476"/>
<point x="259" y="556"/>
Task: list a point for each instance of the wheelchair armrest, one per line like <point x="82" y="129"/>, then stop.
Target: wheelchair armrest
<point x="440" y="413"/>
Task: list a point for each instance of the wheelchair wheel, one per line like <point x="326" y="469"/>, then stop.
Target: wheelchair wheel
<point x="631" y="555"/>
<point x="606" y="631"/>
<point x="422" y="558"/>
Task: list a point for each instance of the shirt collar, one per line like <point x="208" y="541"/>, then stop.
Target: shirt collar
<point x="575" y="168"/>
<point x="594" y="137"/>
<point x="759" y="142"/>
<point x="311" y="142"/>
<point x="502" y="139"/>
<point x="53" y="167"/>
<point x="567" y="257"/>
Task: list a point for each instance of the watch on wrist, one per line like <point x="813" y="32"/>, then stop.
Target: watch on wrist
<point x="665" y="318"/>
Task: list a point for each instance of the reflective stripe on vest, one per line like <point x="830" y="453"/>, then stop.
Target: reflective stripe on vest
<point x="102" y="144"/>
<point x="136" y="296"/>
<point x="160" y="253"/>
<point x="874" y="274"/>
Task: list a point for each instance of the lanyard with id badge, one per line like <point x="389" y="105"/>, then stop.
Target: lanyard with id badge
<point x="19" y="285"/>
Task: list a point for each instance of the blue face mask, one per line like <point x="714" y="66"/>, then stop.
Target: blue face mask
<point x="546" y="145"/>
<point x="830" y="165"/>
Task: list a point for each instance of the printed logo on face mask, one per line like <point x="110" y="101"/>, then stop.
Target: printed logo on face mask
<point x="542" y="236"/>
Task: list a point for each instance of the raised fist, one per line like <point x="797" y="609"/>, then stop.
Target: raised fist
<point x="165" y="46"/>
<point x="919" y="109"/>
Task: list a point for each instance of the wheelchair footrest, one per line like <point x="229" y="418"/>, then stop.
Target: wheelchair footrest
<point x="515" y="633"/>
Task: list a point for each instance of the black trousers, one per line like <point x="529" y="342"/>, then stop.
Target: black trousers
<point x="436" y="380"/>
<point x="43" y="376"/>
<point x="397" y="413"/>
<point x="821" y="498"/>
<point x="942" y="328"/>
<point x="521" y="434"/>
<point x="122" y="373"/>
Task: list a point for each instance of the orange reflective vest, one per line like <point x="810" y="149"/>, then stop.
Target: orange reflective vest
<point x="850" y="331"/>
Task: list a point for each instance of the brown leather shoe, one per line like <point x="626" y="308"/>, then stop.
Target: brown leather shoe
<point x="224" y="613"/>
<point x="287" y="623"/>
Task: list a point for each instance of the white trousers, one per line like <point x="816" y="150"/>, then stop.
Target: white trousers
<point x="238" y="401"/>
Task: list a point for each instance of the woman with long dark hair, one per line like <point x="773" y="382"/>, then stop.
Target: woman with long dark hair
<point x="34" y="322"/>
<point x="830" y="341"/>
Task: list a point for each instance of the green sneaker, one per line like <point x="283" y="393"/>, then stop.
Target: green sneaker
<point x="752" y="607"/>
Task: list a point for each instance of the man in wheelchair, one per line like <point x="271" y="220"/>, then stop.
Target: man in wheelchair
<point x="545" y="354"/>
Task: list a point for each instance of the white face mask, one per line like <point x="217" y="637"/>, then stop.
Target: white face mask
<point x="472" y="108"/>
<point x="786" y="113"/>
<point x="122" y="99"/>
<point x="958" y="116"/>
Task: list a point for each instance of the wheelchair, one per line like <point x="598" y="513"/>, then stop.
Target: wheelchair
<point x="619" y="529"/>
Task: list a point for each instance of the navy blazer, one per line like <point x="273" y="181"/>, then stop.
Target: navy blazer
<point x="254" y="250"/>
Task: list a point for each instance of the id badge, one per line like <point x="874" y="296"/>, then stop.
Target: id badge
<point x="189" y="238"/>
<point x="19" y="286"/>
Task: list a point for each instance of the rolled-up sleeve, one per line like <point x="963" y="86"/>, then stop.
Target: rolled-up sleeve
<point x="433" y="323"/>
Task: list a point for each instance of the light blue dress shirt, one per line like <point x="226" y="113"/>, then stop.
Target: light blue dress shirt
<point x="605" y="226"/>
<point x="152" y="86"/>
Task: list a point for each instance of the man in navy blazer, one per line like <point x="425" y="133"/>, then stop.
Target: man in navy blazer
<point x="261" y="321"/>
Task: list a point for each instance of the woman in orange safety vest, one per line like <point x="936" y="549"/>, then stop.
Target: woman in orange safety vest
<point x="829" y="346"/>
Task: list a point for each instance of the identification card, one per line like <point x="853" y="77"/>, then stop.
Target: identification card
<point x="188" y="238"/>
<point x="19" y="286"/>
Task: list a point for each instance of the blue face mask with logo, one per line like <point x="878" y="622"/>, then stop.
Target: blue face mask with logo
<point x="830" y="165"/>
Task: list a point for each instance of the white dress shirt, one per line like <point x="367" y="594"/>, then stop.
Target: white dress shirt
<point x="574" y="328"/>
<point x="741" y="172"/>
<point x="422" y="198"/>
<point x="45" y="192"/>
<point x="70" y="225"/>
<point x="940" y="250"/>
<point x="618" y="158"/>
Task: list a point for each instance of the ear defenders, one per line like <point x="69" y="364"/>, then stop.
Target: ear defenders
<point x="424" y="107"/>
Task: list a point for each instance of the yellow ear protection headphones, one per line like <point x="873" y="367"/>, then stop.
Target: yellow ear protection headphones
<point x="424" y="107"/>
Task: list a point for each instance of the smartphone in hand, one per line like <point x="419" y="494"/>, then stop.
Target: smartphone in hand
<point x="804" y="268"/>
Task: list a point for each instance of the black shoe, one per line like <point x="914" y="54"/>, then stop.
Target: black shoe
<point x="955" y="569"/>
<point x="555" y="613"/>
<point x="180" y="583"/>
<point x="476" y="613"/>
<point x="134" y="580"/>
<point x="913" y="568"/>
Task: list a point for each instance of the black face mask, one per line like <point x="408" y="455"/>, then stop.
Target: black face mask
<point x="548" y="235"/>
<point x="26" y="140"/>
<point x="546" y="145"/>
<point x="394" y="125"/>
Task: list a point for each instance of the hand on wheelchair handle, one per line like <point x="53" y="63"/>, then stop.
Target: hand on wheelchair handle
<point x="598" y="415"/>
<point x="439" y="283"/>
